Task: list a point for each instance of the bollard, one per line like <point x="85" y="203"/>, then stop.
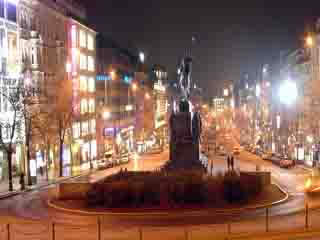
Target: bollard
<point x="99" y="228"/>
<point x="8" y="230"/>
<point x="53" y="232"/>
<point x="267" y="219"/>
<point x="229" y="228"/>
<point x="307" y="216"/>
<point x="186" y="235"/>
<point x="140" y="234"/>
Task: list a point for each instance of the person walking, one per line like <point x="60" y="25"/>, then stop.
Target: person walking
<point x="232" y="163"/>
<point x="228" y="162"/>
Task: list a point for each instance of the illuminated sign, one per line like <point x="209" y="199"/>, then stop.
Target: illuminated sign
<point x="129" y="107"/>
<point x="103" y="78"/>
<point x="127" y="79"/>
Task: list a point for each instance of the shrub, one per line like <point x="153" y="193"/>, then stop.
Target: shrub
<point x="142" y="189"/>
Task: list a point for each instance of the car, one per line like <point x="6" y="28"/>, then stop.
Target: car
<point x="286" y="163"/>
<point x="266" y="156"/>
<point x="236" y="151"/>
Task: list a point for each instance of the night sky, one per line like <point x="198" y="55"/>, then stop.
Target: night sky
<point x="235" y="37"/>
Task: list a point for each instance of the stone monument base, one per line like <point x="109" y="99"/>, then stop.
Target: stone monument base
<point x="184" y="147"/>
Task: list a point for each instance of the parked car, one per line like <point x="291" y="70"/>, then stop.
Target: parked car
<point x="286" y="163"/>
<point x="266" y="156"/>
<point x="236" y="151"/>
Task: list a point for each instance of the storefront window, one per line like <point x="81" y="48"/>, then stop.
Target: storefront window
<point x="91" y="85"/>
<point x="93" y="149"/>
<point x="76" y="130"/>
<point x="84" y="128"/>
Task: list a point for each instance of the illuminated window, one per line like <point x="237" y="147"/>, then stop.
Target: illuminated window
<point x="76" y="130"/>
<point x="84" y="128"/>
<point x="90" y="42"/>
<point x="83" y="84"/>
<point x="93" y="126"/>
<point x="90" y="63"/>
<point x="83" y="62"/>
<point x="91" y="105"/>
<point x="74" y="36"/>
<point x="83" y="39"/>
<point x="91" y="85"/>
<point x="84" y="106"/>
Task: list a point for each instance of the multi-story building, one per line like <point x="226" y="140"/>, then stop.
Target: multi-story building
<point x="10" y="74"/>
<point x="160" y="104"/>
<point x="116" y="98"/>
<point x="81" y="57"/>
<point x="218" y="105"/>
<point x="56" y="49"/>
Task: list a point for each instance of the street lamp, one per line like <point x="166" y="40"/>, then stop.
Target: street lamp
<point x="309" y="41"/>
<point x="106" y="115"/>
<point x="134" y="87"/>
<point x="113" y="74"/>
<point x="141" y="57"/>
<point x="288" y="92"/>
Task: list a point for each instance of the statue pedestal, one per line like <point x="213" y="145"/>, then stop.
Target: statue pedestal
<point x="184" y="145"/>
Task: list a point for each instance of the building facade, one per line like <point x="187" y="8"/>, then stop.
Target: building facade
<point x="116" y="105"/>
<point x="10" y="75"/>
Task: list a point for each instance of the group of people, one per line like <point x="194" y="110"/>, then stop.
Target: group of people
<point x="230" y="162"/>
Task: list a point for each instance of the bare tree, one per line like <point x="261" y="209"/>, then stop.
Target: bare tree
<point x="11" y="124"/>
<point x="45" y="134"/>
<point x="63" y="114"/>
<point x="30" y="112"/>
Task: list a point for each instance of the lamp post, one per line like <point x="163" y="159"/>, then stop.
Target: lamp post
<point x="288" y="94"/>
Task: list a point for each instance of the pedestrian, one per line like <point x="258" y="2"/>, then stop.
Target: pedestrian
<point x="21" y="181"/>
<point x="228" y="162"/>
<point x="211" y="168"/>
<point x="232" y="163"/>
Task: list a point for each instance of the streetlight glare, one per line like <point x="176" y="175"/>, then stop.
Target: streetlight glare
<point x="288" y="92"/>
<point x="106" y="115"/>
<point x="309" y="41"/>
<point x="134" y="86"/>
<point x="112" y="74"/>
<point x="147" y="96"/>
<point x="142" y="57"/>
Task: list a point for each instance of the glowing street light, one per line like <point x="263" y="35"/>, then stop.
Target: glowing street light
<point x="68" y="67"/>
<point x="106" y="115"/>
<point x="141" y="57"/>
<point x="288" y="92"/>
<point x="310" y="139"/>
<point x="309" y="41"/>
<point x="113" y="74"/>
<point x="134" y="86"/>
<point x="147" y="96"/>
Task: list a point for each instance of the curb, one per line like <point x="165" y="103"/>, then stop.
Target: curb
<point x="166" y="213"/>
